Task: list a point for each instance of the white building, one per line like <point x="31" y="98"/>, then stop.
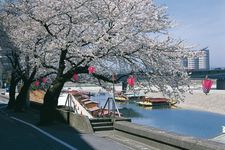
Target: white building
<point x="204" y="60"/>
<point x="197" y="63"/>
<point x="193" y="63"/>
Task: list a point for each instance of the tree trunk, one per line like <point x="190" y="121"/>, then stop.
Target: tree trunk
<point x="124" y="86"/>
<point x="12" y="90"/>
<point x="48" y="110"/>
<point x="22" y="101"/>
<point x="12" y="94"/>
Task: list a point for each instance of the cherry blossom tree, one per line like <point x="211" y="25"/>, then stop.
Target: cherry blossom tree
<point x="20" y="71"/>
<point x="20" y="54"/>
<point x="6" y="52"/>
<point x="129" y="36"/>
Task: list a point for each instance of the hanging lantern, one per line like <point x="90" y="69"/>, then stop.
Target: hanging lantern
<point x="44" y="80"/>
<point x="75" y="76"/>
<point x="91" y="69"/>
<point x="131" y="81"/>
<point x="36" y="83"/>
<point x="206" y="85"/>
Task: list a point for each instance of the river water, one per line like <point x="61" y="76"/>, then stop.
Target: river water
<point x="181" y="121"/>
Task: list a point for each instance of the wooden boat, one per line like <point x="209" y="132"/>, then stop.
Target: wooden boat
<point x="156" y="102"/>
<point x="121" y="98"/>
<point x="144" y="103"/>
<point x="134" y="96"/>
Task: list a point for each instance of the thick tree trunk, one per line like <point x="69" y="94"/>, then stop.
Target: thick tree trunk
<point x="22" y="101"/>
<point x="48" y="110"/>
<point x="12" y="94"/>
<point x="12" y="90"/>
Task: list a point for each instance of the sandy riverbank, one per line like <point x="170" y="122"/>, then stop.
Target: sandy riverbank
<point x="213" y="102"/>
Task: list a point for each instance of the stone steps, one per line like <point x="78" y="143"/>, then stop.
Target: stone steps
<point x="101" y="124"/>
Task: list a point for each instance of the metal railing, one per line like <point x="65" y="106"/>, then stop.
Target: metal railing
<point x="69" y="102"/>
<point x="112" y="109"/>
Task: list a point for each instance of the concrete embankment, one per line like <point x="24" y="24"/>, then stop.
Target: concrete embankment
<point x="163" y="140"/>
<point x="152" y="137"/>
<point x="79" y="122"/>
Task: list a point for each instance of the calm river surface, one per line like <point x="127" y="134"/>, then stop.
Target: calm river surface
<point x="185" y="122"/>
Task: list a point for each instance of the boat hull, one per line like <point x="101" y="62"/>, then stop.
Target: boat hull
<point x="121" y="99"/>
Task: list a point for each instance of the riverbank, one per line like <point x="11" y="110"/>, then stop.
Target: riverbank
<point x="213" y="102"/>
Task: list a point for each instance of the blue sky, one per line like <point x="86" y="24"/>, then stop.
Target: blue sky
<point x="200" y="23"/>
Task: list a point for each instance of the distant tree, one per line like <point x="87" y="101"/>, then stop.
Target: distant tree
<point x="20" y="53"/>
<point x="6" y="47"/>
<point x="15" y="78"/>
<point x="112" y="35"/>
<point x="20" y="71"/>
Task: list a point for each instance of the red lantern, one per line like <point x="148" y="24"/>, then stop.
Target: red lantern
<point x="91" y="69"/>
<point x="36" y="83"/>
<point x="131" y="81"/>
<point x="44" y="80"/>
<point x="206" y="85"/>
<point x="75" y="76"/>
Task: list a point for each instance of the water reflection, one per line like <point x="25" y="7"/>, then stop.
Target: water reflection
<point x="129" y="112"/>
<point x="181" y="121"/>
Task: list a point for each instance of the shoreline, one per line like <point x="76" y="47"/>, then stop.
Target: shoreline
<point x="213" y="102"/>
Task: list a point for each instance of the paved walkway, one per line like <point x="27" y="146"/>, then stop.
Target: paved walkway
<point x="14" y="134"/>
<point x="132" y="144"/>
<point x="20" y="131"/>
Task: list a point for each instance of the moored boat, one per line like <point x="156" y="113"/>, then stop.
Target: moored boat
<point x="134" y="96"/>
<point x="156" y="102"/>
<point x="144" y="103"/>
<point x="121" y="98"/>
